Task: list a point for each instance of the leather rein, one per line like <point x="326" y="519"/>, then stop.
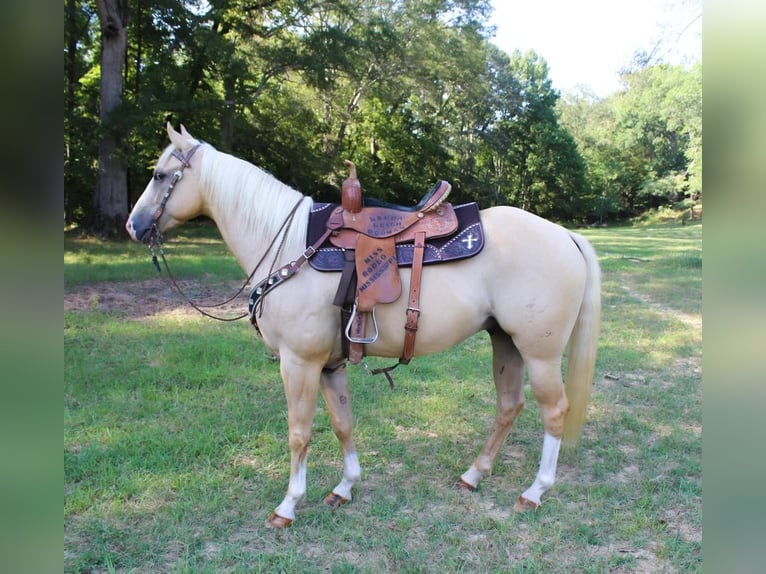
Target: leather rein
<point x="155" y="241"/>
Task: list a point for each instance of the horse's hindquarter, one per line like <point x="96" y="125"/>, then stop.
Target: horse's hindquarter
<point x="538" y="288"/>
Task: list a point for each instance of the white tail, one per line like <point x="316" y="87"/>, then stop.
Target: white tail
<point x="583" y="345"/>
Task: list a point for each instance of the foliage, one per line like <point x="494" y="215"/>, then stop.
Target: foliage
<point x="410" y="91"/>
<point x="642" y="145"/>
<point x="545" y="171"/>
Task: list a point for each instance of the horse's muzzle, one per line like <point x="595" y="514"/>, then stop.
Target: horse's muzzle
<point x="138" y="230"/>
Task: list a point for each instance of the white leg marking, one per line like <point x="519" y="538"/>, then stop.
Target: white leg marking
<point x="546" y="476"/>
<point x="296" y="490"/>
<point x="472" y="476"/>
<point x="352" y="472"/>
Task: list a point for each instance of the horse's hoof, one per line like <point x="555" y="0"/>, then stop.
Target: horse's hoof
<point x="524" y="505"/>
<point x="464" y="486"/>
<point x="335" y="501"/>
<point x="278" y="522"/>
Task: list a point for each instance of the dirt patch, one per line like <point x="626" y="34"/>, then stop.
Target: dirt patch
<point x="138" y="299"/>
<point x="692" y="320"/>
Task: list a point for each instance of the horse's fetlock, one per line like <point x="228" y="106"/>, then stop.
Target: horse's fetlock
<point x="546" y="481"/>
<point x="354" y="476"/>
<point x="484" y="464"/>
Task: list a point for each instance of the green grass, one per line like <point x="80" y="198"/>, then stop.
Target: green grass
<point x="175" y="438"/>
<point x="194" y="250"/>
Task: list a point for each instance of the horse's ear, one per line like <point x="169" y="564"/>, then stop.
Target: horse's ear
<point x="176" y="139"/>
<point x="185" y="133"/>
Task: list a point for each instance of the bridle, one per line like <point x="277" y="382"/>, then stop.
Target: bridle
<point x="155" y="237"/>
<point x="155" y="241"/>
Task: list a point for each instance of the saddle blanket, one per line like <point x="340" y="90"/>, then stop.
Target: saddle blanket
<point x="466" y="242"/>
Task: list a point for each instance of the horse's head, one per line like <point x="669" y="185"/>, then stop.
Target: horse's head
<point x="172" y="196"/>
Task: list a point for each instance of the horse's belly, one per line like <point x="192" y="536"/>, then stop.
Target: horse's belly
<point x="450" y="312"/>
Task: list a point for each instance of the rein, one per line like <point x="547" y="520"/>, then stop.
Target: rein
<point x="155" y="240"/>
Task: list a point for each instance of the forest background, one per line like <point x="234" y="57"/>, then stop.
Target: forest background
<point x="411" y="91"/>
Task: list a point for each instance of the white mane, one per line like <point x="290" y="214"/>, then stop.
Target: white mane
<point x="240" y="191"/>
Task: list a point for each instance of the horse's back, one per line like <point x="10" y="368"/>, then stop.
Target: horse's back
<point x="524" y="232"/>
<point x="521" y="244"/>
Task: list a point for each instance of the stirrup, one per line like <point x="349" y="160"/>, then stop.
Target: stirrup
<point x="363" y="340"/>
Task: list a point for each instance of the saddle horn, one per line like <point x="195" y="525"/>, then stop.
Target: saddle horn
<point x="351" y="190"/>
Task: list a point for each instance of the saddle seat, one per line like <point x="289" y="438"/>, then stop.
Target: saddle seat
<point x="369" y="230"/>
<point x="353" y="202"/>
<point x="436" y="193"/>
<point x="375" y="218"/>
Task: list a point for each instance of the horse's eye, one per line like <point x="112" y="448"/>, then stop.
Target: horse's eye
<point x="158" y="176"/>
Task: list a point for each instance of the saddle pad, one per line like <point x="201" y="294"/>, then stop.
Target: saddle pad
<point x="466" y="242"/>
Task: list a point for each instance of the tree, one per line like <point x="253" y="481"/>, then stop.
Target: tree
<point x="542" y="169"/>
<point x="659" y="117"/>
<point x="591" y="122"/>
<point x="384" y="79"/>
<point x="643" y="145"/>
<point x="110" y="199"/>
<point x="411" y="91"/>
<point x="80" y="109"/>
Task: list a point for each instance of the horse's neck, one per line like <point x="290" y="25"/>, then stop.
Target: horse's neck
<point x="264" y="222"/>
<point x="265" y="248"/>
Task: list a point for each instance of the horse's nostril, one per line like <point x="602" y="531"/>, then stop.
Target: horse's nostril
<point x="136" y="233"/>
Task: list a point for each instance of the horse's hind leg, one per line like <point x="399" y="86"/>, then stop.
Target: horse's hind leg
<point x="548" y="387"/>
<point x="508" y="372"/>
<point x="334" y="385"/>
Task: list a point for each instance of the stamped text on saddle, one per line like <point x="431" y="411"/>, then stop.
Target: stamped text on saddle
<point x="368" y="241"/>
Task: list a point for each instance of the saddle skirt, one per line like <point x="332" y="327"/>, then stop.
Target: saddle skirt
<point x="466" y="241"/>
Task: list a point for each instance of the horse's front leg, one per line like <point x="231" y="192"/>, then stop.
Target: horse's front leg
<point x="334" y="385"/>
<point x="301" y="382"/>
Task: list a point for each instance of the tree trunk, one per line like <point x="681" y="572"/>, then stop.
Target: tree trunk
<point x="110" y="200"/>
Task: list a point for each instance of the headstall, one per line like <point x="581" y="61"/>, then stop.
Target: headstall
<point x="155" y="237"/>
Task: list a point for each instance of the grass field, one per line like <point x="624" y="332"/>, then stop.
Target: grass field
<point x="175" y="434"/>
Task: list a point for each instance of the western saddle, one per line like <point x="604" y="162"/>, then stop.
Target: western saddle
<point x="368" y="231"/>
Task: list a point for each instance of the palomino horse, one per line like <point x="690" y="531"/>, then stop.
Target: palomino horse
<point x="535" y="287"/>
